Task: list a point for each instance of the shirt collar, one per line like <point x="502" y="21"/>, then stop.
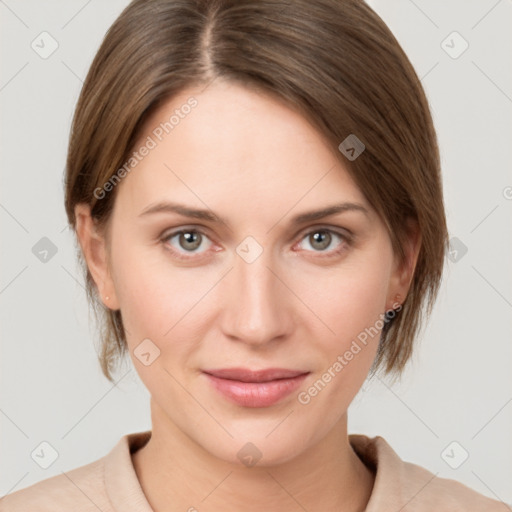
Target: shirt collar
<point x="121" y="482"/>
<point x="391" y="486"/>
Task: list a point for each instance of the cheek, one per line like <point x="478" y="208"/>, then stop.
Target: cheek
<point x="351" y="305"/>
<point x="352" y="297"/>
<point x="151" y="294"/>
<point x="350" y="301"/>
<point x="160" y="301"/>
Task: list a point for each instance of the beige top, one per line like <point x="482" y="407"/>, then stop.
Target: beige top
<point x="110" y="484"/>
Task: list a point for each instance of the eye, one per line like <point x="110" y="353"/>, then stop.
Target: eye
<point x="322" y="238"/>
<point x="186" y="241"/>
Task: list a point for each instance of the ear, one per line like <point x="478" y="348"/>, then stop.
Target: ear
<point x="403" y="272"/>
<point x="94" y="249"/>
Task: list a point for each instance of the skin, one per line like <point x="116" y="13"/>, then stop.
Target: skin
<point x="256" y="163"/>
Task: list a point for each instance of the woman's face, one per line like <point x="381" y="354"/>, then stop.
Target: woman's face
<point x="259" y="290"/>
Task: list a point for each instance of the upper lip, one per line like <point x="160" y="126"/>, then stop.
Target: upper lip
<point x="248" y="375"/>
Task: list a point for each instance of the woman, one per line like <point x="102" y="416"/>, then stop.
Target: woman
<point x="255" y="187"/>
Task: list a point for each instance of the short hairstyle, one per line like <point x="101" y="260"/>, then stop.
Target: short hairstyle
<point x="334" y="61"/>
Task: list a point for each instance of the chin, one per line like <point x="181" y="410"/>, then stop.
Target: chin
<point x="257" y="445"/>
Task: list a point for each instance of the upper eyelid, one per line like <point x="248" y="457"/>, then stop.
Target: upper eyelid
<point x="344" y="232"/>
<point x="305" y="231"/>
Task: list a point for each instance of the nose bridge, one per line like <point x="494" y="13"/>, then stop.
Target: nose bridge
<point x="256" y="309"/>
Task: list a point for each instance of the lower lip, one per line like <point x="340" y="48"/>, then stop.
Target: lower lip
<point x="256" y="394"/>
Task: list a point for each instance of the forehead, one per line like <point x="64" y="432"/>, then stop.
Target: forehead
<point x="238" y="149"/>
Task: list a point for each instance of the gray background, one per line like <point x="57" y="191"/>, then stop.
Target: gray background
<point x="458" y="386"/>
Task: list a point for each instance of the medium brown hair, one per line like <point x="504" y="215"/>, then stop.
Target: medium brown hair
<point x="335" y="61"/>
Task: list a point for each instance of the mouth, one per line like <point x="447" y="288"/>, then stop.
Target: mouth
<point x="255" y="388"/>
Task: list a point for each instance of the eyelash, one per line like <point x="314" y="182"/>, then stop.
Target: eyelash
<point x="346" y="238"/>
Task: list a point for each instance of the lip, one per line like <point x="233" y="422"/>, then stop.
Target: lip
<point x="255" y="388"/>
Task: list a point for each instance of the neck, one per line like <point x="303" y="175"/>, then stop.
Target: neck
<point x="177" y="474"/>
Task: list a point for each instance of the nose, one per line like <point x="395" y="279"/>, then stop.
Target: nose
<point x="258" y="305"/>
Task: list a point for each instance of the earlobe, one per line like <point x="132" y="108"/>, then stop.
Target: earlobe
<point x="93" y="245"/>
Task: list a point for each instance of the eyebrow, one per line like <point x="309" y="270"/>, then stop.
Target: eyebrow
<point x="208" y="215"/>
